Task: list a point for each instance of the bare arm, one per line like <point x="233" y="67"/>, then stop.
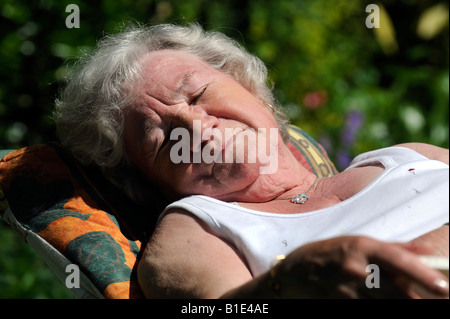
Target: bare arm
<point x="430" y="151"/>
<point x="183" y="259"/>
<point x="438" y="239"/>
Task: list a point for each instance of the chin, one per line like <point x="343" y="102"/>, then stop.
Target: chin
<point x="226" y="181"/>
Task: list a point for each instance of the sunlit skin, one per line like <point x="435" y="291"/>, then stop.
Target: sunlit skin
<point x="178" y="89"/>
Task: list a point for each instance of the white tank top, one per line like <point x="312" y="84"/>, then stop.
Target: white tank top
<point x="408" y="199"/>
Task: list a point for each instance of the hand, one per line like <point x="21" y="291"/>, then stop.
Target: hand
<point x="336" y="268"/>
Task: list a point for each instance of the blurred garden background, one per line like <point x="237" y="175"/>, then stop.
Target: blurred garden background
<point x="352" y="87"/>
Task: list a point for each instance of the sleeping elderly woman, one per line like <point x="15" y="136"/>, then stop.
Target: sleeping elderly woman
<point x="191" y="110"/>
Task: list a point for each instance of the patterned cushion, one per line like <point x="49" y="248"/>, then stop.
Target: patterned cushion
<point x="310" y="153"/>
<point x="74" y="215"/>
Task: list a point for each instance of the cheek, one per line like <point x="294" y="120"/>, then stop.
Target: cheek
<point x="178" y="177"/>
<point x="130" y="132"/>
<point x="235" y="175"/>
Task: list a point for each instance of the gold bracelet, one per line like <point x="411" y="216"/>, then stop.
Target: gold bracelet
<point x="273" y="282"/>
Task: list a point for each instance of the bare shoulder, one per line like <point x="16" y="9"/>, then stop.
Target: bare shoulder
<point x="185" y="259"/>
<point x="430" y="151"/>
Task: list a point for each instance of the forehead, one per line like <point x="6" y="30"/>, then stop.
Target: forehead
<point x="173" y="68"/>
<point x="169" y="57"/>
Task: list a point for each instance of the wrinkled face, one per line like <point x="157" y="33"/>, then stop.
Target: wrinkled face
<point x="196" y="130"/>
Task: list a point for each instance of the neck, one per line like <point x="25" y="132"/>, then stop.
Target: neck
<point x="289" y="177"/>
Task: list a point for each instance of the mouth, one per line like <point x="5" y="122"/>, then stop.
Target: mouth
<point x="218" y="147"/>
<point x="217" y="152"/>
<point x="229" y="144"/>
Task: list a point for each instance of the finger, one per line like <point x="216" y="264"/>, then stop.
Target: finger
<point x="421" y="248"/>
<point x="408" y="273"/>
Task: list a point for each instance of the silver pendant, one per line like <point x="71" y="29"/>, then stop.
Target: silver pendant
<point x="299" y="198"/>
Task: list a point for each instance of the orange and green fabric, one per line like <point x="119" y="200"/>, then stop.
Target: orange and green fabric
<point x="89" y="220"/>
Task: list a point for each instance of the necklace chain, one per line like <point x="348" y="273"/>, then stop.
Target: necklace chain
<point x="300" y="198"/>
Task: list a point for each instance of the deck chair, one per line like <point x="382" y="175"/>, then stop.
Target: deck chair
<point x="74" y="215"/>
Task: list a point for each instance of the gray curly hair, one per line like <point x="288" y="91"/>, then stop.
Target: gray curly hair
<point x="89" y="111"/>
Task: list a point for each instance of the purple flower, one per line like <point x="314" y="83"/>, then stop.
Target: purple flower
<point x="354" y="121"/>
<point x="343" y="159"/>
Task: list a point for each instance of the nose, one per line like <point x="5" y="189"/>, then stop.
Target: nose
<point x="196" y="121"/>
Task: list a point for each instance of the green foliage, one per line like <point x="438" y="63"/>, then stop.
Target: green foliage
<point x="351" y="87"/>
<point x="23" y="274"/>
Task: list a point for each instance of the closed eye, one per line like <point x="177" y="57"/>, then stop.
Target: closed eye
<point x="194" y="100"/>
